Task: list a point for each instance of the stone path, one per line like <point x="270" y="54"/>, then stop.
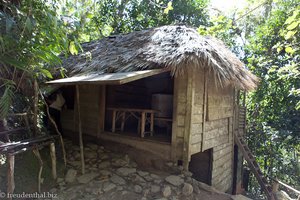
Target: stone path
<point x="114" y="176"/>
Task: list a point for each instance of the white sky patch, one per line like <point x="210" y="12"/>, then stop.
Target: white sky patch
<point x="226" y="6"/>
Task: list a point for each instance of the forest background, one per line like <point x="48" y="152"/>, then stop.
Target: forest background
<point x="263" y="34"/>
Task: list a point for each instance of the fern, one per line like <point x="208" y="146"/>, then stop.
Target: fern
<point x="7" y="98"/>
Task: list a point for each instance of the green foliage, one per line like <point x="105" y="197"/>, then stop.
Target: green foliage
<point x="272" y="52"/>
<point x="267" y="39"/>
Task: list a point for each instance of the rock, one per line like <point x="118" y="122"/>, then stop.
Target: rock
<point x="138" y="189"/>
<point x="187" y="173"/>
<point x="62" y="183"/>
<point x="72" y="196"/>
<point x="103" y="165"/>
<point x="155" y="189"/>
<point x="103" y="156"/>
<point x="71" y="175"/>
<point x="87" y="177"/>
<point x="119" y="163"/>
<point x="174" y="180"/>
<point x="146" y="192"/>
<point x="166" y="191"/>
<point x="75" y="163"/>
<point x="124" y="171"/>
<point x="91" y="154"/>
<point x="119" y="188"/>
<point x="154" y="176"/>
<point x="108" y="186"/>
<point x="158" y="181"/>
<point x="105" y="172"/>
<point x="133" y="164"/>
<point x="170" y="164"/>
<point x="187" y="189"/>
<point x="53" y="190"/>
<point x="126" y="158"/>
<point x="100" y="151"/>
<point x="142" y="173"/>
<point x="93" y="146"/>
<point x="117" y="180"/>
<point x="138" y="179"/>
<point x="188" y="180"/>
<point x="148" y="178"/>
<point x="59" y="180"/>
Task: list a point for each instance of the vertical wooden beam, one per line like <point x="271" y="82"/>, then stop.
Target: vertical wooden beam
<point x="53" y="160"/>
<point x="205" y="98"/>
<point x="190" y="93"/>
<point x="35" y="107"/>
<point x="102" y="102"/>
<point x="151" y="123"/>
<point x="10" y="174"/>
<point x="80" y="131"/>
<point x="114" y="114"/>
<point x="174" y="121"/>
<point x="123" y="115"/>
<point x="143" y="120"/>
<point x="38" y="155"/>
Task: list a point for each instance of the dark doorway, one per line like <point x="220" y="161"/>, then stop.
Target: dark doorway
<point x="235" y="169"/>
<point x="201" y="166"/>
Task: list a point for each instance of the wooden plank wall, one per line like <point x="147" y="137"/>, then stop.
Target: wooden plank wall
<point x="218" y="134"/>
<point x="179" y="113"/>
<point x="89" y="105"/>
<point x="197" y="113"/>
<point x="67" y="120"/>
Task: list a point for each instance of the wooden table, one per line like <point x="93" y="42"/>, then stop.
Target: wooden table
<point x="143" y="116"/>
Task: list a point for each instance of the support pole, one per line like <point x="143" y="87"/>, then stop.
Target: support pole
<point x="80" y="131"/>
<point x="35" y="107"/>
<point x="38" y="155"/>
<point x="10" y="174"/>
<point x="56" y="128"/>
<point x="53" y="160"/>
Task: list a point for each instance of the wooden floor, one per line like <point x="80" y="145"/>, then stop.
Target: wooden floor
<point x="154" y="144"/>
<point x="158" y="137"/>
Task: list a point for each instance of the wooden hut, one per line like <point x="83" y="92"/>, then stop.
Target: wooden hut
<point x="165" y="90"/>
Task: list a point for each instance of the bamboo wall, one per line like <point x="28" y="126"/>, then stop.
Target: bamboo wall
<point x="218" y="133"/>
<point x="179" y="113"/>
<point x="196" y="100"/>
<point x="90" y="96"/>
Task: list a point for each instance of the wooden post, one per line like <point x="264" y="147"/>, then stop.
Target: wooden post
<point x="80" y="131"/>
<point x="123" y="121"/>
<point x="174" y="120"/>
<point x="53" y="160"/>
<point x="10" y="174"/>
<point x="113" y="128"/>
<point x="37" y="154"/>
<point x="151" y="123"/>
<point x="204" y="107"/>
<point x="190" y="93"/>
<point x="58" y="132"/>
<point x="102" y="99"/>
<point x="35" y="107"/>
<point x="143" y="120"/>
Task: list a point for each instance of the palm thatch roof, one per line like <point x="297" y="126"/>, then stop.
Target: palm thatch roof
<point x="174" y="48"/>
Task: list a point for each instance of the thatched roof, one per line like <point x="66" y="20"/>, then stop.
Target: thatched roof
<point x="171" y="47"/>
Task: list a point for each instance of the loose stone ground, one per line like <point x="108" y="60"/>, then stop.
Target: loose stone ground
<point x="114" y="176"/>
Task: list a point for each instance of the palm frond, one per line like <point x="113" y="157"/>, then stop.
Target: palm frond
<point x="7" y="98"/>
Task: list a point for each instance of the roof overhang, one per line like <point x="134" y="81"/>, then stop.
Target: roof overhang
<point x="107" y="78"/>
